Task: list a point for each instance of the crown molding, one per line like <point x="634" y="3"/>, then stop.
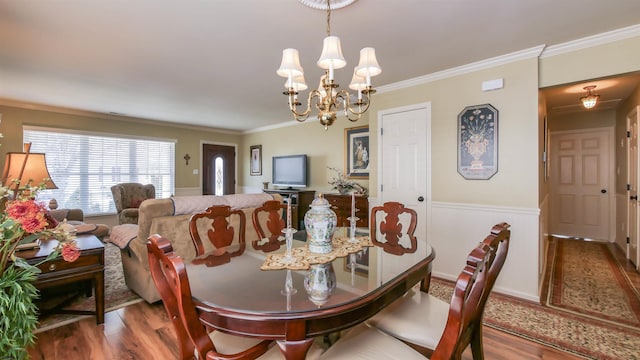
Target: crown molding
<point x="280" y="125"/>
<point x="540" y="51"/>
<point x="591" y="41"/>
<point x="113" y="116"/>
<point x="465" y="69"/>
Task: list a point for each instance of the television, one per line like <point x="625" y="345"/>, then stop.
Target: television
<point x="289" y="171"/>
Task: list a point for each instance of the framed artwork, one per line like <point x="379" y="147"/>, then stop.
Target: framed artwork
<point x="478" y="142"/>
<point x="356" y="142"/>
<point x="361" y="263"/>
<point x="256" y="160"/>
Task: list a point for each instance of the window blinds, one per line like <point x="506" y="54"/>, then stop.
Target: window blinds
<point x="84" y="166"/>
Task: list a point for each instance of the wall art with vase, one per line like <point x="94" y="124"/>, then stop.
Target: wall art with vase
<point x="478" y="142"/>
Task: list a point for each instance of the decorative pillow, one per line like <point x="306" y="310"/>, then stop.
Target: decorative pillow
<point x="135" y="202"/>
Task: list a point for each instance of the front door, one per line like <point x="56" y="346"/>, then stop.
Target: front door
<point x="581" y="180"/>
<point x="633" y="253"/>
<point x="404" y="171"/>
<point x="218" y="169"/>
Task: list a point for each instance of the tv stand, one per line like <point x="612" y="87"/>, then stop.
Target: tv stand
<point x="300" y="201"/>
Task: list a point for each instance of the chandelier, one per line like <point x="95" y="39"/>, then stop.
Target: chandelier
<point x="327" y="100"/>
<point x="590" y="100"/>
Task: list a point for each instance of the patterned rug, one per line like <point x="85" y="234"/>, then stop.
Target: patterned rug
<point x="117" y="295"/>
<point x="598" y="288"/>
<point x="581" y="336"/>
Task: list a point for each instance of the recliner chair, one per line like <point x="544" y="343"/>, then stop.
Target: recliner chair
<point x="128" y="197"/>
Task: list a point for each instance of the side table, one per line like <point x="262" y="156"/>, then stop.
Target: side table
<point x="57" y="272"/>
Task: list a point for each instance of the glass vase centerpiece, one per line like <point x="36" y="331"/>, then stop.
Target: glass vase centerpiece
<point x="320" y="223"/>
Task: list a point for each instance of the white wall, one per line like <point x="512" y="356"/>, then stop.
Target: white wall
<point x="457" y="228"/>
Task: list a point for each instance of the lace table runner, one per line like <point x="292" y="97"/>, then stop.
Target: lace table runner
<point x="303" y="258"/>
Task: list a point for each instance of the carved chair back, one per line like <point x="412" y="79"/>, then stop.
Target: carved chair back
<point x="472" y="289"/>
<point x="391" y="228"/>
<point x="219" y="232"/>
<point x="269" y="223"/>
<point x="170" y="277"/>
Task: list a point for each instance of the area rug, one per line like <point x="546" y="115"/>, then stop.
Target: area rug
<point x="597" y="288"/>
<point x="580" y="336"/>
<point x="117" y="295"/>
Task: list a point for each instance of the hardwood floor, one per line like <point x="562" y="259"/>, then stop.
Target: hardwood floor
<point x="142" y="331"/>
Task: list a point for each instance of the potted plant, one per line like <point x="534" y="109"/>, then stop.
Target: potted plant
<point x="23" y="220"/>
<point x="343" y="184"/>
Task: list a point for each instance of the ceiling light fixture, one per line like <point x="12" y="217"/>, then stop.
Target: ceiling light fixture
<point x="590" y="100"/>
<point x="327" y="99"/>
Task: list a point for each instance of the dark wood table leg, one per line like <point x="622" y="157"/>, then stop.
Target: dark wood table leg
<point x="295" y="350"/>
<point x="99" y="292"/>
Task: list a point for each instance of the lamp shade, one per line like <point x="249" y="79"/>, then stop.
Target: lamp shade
<point x="331" y="54"/>
<point x="297" y="83"/>
<point x="25" y="167"/>
<point x="290" y="66"/>
<point x="357" y="82"/>
<point x="368" y="65"/>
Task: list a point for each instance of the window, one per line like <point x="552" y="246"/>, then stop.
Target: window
<point x="84" y="166"/>
<point x="219" y="165"/>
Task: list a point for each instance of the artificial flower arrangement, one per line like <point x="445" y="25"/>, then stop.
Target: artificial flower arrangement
<point x="343" y="184"/>
<point x="24" y="220"/>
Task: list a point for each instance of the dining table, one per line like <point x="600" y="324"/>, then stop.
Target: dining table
<point x="246" y="297"/>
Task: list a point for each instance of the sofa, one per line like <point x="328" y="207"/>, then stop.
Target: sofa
<point x="170" y="218"/>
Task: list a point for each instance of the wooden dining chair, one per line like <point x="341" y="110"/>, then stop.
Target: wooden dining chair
<point x="170" y="277"/>
<point x="393" y="227"/>
<point x="214" y="222"/>
<point x="366" y="341"/>
<point x="269" y="217"/>
<point x="420" y="318"/>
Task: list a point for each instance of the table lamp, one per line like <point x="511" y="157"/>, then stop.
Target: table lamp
<point x="26" y="167"/>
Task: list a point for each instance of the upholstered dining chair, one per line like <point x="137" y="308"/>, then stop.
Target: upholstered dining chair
<point x="390" y="225"/>
<point x="214" y="223"/>
<point x="128" y="197"/>
<point x="170" y="277"/>
<point x="269" y="223"/>
<point x="420" y="318"/>
<point x="462" y="316"/>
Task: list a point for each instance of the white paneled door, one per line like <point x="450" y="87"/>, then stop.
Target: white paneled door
<point x="404" y="171"/>
<point x="581" y="183"/>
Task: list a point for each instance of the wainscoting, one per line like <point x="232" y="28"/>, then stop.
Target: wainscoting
<point x="456" y="228"/>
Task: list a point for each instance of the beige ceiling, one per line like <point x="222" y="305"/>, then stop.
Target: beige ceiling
<point x="213" y="62"/>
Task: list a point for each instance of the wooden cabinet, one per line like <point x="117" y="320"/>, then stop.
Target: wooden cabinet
<point x="57" y="273"/>
<point x="341" y="205"/>
<point x="300" y="201"/>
